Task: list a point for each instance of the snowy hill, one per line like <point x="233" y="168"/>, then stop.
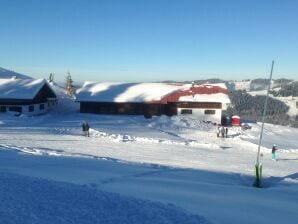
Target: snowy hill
<point x="137" y="170"/>
<point x="4" y="74"/>
<point x="173" y="161"/>
<point x="248" y="97"/>
<point x="58" y="202"/>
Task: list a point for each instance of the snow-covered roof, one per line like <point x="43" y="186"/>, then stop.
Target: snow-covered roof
<point x="15" y="88"/>
<point x="7" y="74"/>
<point x="215" y="97"/>
<point x="221" y="85"/>
<point x="126" y="92"/>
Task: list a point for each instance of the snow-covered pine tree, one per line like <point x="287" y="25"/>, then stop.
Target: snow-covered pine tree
<point x="69" y="87"/>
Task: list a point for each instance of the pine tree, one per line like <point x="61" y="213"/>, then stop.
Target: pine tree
<point x="69" y="87"/>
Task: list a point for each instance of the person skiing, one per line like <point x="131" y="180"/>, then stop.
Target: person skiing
<point x="274" y="148"/>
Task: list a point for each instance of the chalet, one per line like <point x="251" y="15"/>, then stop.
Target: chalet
<point x="26" y="96"/>
<point x="205" y="102"/>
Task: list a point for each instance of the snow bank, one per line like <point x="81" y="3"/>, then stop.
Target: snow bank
<point x="32" y="200"/>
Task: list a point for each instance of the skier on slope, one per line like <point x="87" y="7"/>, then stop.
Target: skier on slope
<point x="274" y="148"/>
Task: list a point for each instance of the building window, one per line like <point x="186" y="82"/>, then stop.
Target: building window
<point x="31" y="108"/>
<point x="2" y="109"/>
<point x="16" y="109"/>
<point x="186" y="111"/>
<point x="209" y="111"/>
<point x="41" y="106"/>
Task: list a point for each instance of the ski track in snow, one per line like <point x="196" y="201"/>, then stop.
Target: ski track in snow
<point x="177" y="131"/>
<point x="34" y="200"/>
<point x="214" y="166"/>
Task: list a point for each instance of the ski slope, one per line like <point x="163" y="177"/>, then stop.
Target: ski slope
<point x="175" y="168"/>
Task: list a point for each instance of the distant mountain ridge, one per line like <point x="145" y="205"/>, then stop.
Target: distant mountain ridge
<point x="6" y="74"/>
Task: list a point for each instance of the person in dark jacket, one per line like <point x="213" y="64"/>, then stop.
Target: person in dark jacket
<point x="218" y="131"/>
<point x="274" y="148"/>
<point x="222" y="130"/>
<point x="87" y="129"/>
<point x="84" y="128"/>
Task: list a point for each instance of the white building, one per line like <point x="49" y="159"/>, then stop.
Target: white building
<point x="26" y="96"/>
<point x="204" y="102"/>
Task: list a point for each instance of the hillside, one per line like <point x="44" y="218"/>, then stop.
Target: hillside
<point x="137" y="170"/>
<point x="248" y="97"/>
<point x="4" y="74"/>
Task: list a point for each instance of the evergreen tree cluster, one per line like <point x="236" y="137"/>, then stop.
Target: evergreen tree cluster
<point x="252" y="107"/>
<point x="291" y="89"/>
<point x="282" y="82"/>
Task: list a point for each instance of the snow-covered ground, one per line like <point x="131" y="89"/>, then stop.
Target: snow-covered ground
<point x="33" y="200"/>
<point x="142" y="163"/>
<point x="242" y="85"/>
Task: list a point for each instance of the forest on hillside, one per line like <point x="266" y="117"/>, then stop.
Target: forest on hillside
<point x="252" y="107"/>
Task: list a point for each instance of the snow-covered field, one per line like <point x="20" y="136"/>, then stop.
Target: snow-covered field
<point x="160" y="170"/>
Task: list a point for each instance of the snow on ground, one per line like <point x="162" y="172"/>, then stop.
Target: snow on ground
<point x="291" y="103"/>
<point x="34" y="200"/>
<point x="177" y="161"/>
<point x="242" y="85"/>
<point x="184" y="163"/>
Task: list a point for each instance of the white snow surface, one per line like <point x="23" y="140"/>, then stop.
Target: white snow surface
<point x="126" y="92"/>
<point x="242" y="85"/>
<point x="141" y="92"/>
<point x="215" y="97"/>
<point x="59" y="202"/>
<point x="7" y="74"/>
<point x="291" y="103"/>
<point x="173" y="167"/>
<point x="20" y="88"/>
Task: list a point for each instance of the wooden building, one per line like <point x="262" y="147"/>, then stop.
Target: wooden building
<point x="202" y="101"/>
<point x="26" y="96"/>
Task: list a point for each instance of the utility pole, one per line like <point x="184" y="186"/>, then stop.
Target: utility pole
<point x="258" y="166"/>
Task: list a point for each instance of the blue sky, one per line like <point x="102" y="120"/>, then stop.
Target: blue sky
<point x="149" y="40"/>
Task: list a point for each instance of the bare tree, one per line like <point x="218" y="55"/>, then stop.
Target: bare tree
<point x="69" y="87"/>
<point x="51" y="78"/>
